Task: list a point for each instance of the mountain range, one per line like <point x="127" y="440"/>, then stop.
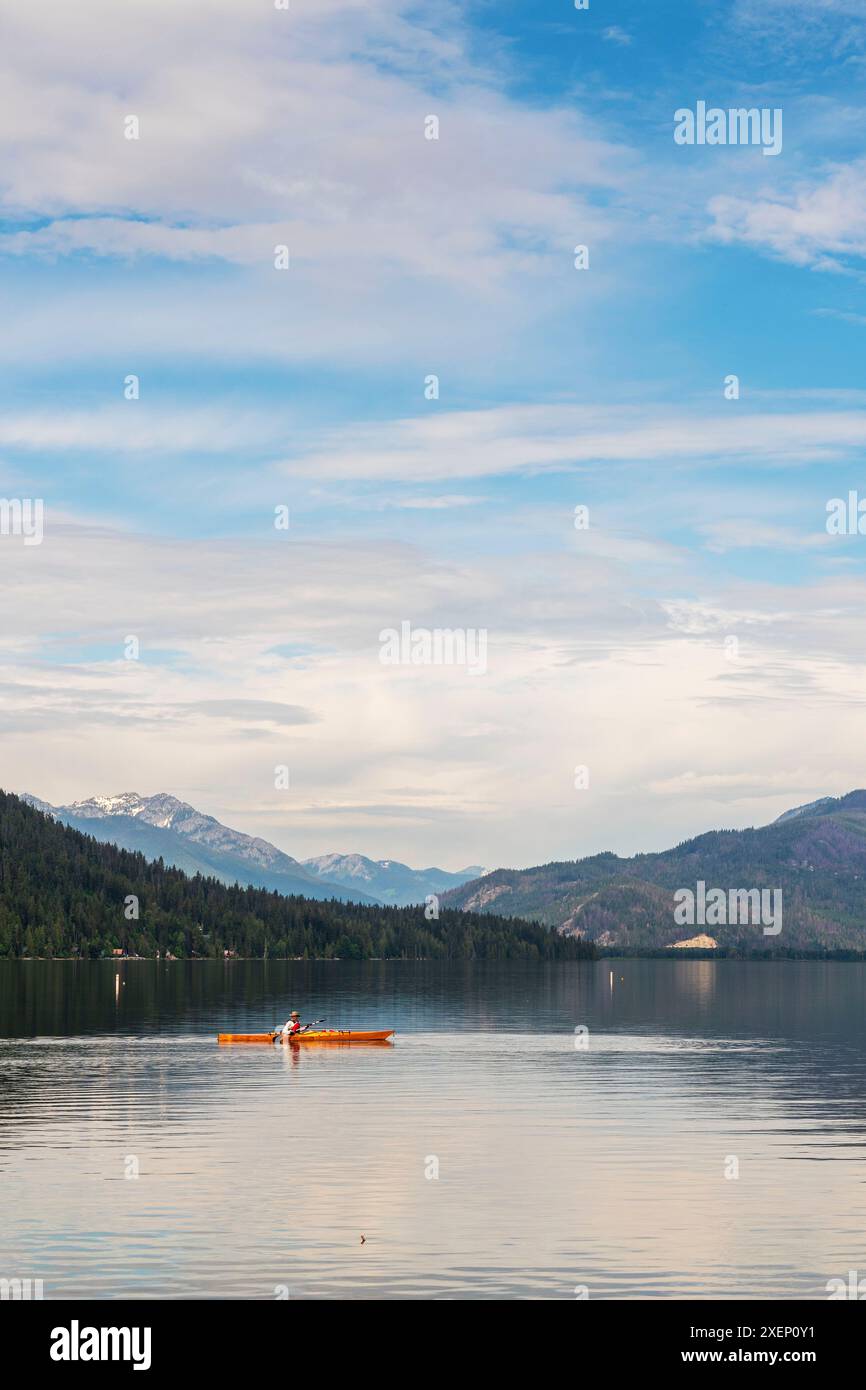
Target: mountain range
<point x="163" y="827"/>
<point x="64" y="894"/>
<point x="814" y="855"/>
<point x="386" y="879"/>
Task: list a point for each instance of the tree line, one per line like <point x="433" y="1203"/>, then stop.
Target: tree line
<point x="64" y="894"/>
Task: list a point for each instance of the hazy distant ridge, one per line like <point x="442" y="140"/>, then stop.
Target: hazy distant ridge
<point x="162" y="826"/>
<point x="815" y="854"/>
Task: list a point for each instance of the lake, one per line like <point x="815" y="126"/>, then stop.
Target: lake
<point x="705" y="1139"/>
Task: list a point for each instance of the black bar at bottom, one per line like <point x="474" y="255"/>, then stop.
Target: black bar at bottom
<point x="222" y="1338"/>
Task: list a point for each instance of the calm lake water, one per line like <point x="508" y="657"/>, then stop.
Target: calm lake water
<point x="558" y="1166"/>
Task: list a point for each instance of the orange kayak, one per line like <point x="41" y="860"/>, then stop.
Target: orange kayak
<point x="319" y="1035"/>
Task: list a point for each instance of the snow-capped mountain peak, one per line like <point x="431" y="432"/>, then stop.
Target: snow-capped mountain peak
<point x="166" y="812"/>
<point x="163" y="825"/>
<point x="124" y="804"/>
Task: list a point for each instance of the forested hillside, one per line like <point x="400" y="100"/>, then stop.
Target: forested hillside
<point x="815" y="856"/>
<point x="64" y="894"/>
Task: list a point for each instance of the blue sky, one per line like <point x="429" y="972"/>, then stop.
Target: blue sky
<point x="558" y="387"/>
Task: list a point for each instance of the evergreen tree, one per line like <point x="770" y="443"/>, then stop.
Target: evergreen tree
<point x="62" y="893"/>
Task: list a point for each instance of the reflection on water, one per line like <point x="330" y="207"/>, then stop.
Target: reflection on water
<point x="559" y="1166"/>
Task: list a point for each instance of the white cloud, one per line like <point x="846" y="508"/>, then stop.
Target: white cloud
<point x="750" y="533"/>
<point x="433" y="504"/>
<point x="794" y="13"/>
<point x="523" y="439"/>
<point x="261" y="128"/>
<point x="445" y="445"/>
<point x="288" y="118"/>
<point x="820" y="224"/>
<point x="844" y="315"/>
<point x="138" y="426"/>
<point x="572" y="637"/>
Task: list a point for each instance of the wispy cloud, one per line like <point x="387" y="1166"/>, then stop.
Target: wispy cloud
<point x="540" y="438"/>
<point x="256" y="711"/>
<point x="819" y="224"/>
<point x="337" y="169"/>
<point x="844" y="315"/>
<point x="136" y="426"/>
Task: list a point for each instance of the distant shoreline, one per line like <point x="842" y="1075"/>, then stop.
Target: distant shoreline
<point x="721" y="953"/>
<point x="790" y="953"/>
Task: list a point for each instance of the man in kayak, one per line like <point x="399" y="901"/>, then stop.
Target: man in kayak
<point x="293" y="1025"/>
